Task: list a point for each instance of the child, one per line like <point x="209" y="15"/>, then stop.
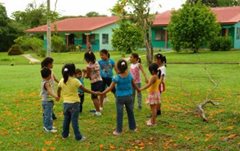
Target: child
<point x="106" y="71"/>
<point x="68" y="87"/>
<point x="161" y="61"/>
<point x="93" y="73"/>
<point x="47" y="93"/>
<point x="48" y="63"/>
<point x="135" y="69"/>
<point x="153" y="98"/>
<point x="124" y="84"/>
<point x="80" y="77"/>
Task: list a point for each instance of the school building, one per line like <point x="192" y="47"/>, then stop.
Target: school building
<point x="228" y="17"/>
<point x="96" y="32"/>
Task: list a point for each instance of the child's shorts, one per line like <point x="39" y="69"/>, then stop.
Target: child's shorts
<point x="97" y="86"/>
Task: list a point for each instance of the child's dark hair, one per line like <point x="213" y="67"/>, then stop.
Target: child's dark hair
<point x="153" y="68"/>
<point x="46" y="62"/>
<point x="162" y="58"/>
<point x="68" y="70"/>
<point x="90" y="57"/>
<point x="78" y="71"/>
<point x="135" y="55"/>
<point x="45" y="72"/>
<point x="122" y="66"/>
<point x="104" y="51"/>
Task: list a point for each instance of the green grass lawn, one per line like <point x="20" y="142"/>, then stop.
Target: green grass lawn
<point x="178" y="127"/>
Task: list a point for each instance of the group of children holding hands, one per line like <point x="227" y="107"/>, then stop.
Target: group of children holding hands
<point x="123" y="85"/>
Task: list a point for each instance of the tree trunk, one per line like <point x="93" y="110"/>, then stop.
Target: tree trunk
<point x="149" y="49"/>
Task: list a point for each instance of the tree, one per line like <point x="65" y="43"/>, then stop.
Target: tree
<point x="33" y="15"/>
<point x="9" y="30"/>
<point x="211" y="3"/>
<point x="228" y="2"/>
<point x="192" y="26"/>
<point x="127" y="37"/>
<point x="93" y="14"/>
<point x="217" y="3"/>
<point x="140" y="15"/>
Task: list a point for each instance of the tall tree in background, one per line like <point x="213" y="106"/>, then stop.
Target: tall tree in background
<point x="217" y="3"/>
<point x="93" y="14"/>
<point x="192" y="26"/>
<point x="33" y="15"/>
<point x="139" y="13"/>
<point x="228" y="2"/>
<point x="211" y="3"/>
<point x="9" y="30"/>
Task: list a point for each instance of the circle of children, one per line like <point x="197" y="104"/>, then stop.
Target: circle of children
<point x="123" y="85"/>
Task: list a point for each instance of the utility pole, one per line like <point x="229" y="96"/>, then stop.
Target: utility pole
<point x="48" y="30"/>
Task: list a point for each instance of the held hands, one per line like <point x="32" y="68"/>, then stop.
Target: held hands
<point x="98" y="93"/>
<point x="138" y="90"/>
<point x="57" y="98"/>
<point x="146" y="80"/>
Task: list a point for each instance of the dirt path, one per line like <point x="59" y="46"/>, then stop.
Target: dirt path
<point x="31" y="59"/>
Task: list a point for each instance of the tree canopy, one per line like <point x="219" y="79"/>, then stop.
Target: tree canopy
<point x="33" y="15"/>
<point x="216" y="3"/>
<point x="127" y="37"/>
<point x="192" y="26"/>
<point x="138" y="12"/>
<point x="9" y="29"/>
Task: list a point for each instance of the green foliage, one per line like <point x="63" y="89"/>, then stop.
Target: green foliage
<point x="211" y="3"/>
<point x="138" y="12"/>
<point x="34" y="15"/>
<point x="9" y="30"/>
<point x="217" y="3"/>
<point x="127" y="37"/>
<point x="15" y="50"/>
<point x="58" y="44"/>
<point x="29" y="43"/>
<point x="93" y="14"/>
<point x="228" y="2"/>
<point x="192" y="26"/>
<point x="220" y="44"/>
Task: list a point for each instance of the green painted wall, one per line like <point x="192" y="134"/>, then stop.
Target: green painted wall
<point x="105" y="30"/>
<point x="236" y="37"/>
<point x="157" y="44"/>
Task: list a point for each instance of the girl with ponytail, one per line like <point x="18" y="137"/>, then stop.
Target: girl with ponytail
<point x="68" y="89"/>
<point x="153" y="98"/>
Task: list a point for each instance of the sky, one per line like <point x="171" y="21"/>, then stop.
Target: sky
<point x="82" y="7"/>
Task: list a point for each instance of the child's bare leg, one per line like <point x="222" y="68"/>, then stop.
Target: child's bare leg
<point x="154" y="113"/>
<point x="101" y="100"/>
<point x="96" y="104"/>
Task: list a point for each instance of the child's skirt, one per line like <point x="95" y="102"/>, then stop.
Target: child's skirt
<point x="153" y="98"/>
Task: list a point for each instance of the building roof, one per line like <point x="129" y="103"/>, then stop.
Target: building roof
<point x="81" y="24"/>
<point x="225" y="15"/>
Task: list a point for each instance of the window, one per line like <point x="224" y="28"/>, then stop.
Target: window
<point x="91" y="39"/>
<point x="104" y="38"/>
<point x="238" y="33"/>
<point x="160" y="35"/>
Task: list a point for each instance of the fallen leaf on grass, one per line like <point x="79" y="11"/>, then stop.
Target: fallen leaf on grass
<point x="208" y="136"/>
<point x="101" y="147"/>
<point x="48" y="142"/>
<point x="228" y="128"/>
<point x="230" y="137"/>
<point x="112" y="147"/>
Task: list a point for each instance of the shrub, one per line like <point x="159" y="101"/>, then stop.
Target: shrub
<point x="41" y="53"/>
<point x="220" y="44"/>
<point x="58" y="44"/>
<point x="29" y="43"/>
<point x="15" y="50"/>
